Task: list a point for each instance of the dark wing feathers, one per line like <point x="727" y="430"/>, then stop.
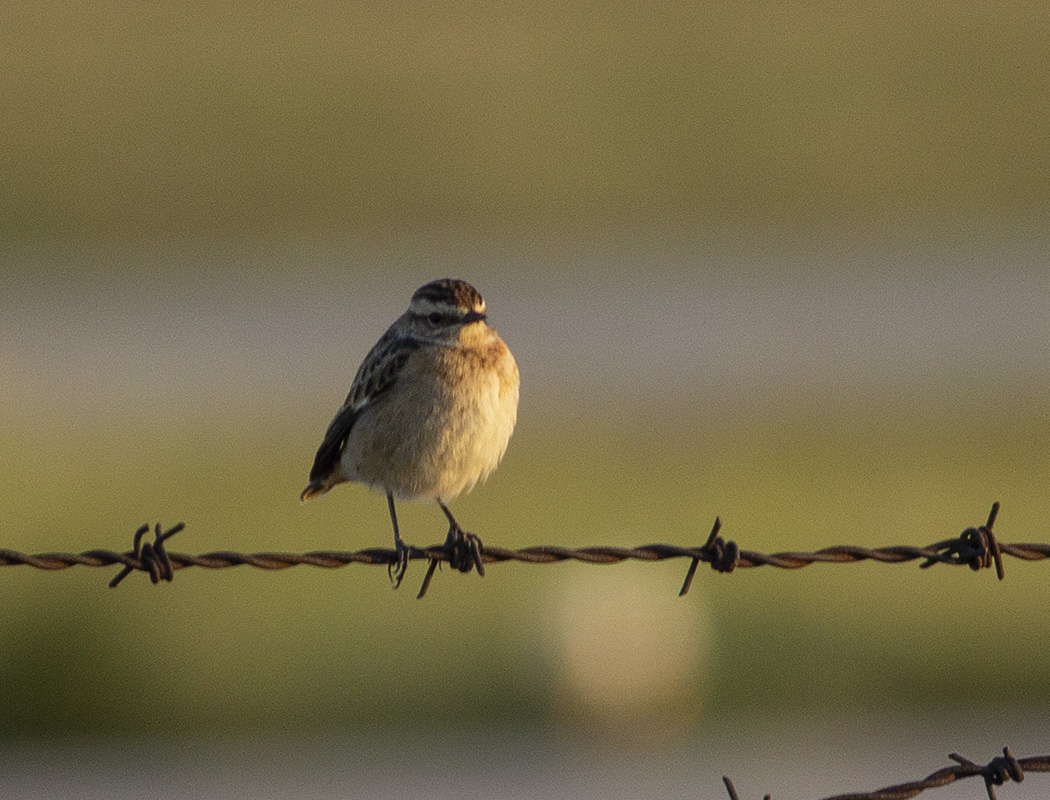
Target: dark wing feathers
<point x="376" y="375"/>
<point x="380" y="367"/>
<point x="331" y="449"/>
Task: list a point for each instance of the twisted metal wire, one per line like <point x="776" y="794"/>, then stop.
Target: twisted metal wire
<point x="1001" y="769"/>
<point x="975" y="547"/>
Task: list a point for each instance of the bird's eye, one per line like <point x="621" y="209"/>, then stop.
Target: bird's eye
<point x="434" y="318"/>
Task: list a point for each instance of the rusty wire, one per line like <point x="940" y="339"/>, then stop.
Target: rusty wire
<point x="976" y="548"/>
<point x="1001" y="769"/>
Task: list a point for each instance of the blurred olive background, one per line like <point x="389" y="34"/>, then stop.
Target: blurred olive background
<point x="782" y="263"/>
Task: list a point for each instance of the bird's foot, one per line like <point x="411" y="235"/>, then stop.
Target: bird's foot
<point x="464" y="554"/>
<point x="464" y="550"/>
<point x="397" y="570"/>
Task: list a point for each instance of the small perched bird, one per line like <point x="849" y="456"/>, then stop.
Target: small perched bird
<point x="430" y="410"/>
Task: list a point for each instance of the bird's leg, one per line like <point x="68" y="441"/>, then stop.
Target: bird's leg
<point x="397" y="572"/>
<point x="465" y="549"/>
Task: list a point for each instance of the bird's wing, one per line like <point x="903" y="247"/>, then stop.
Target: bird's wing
<point x="380" y="369"/>
<point x="376" y="375"/>
<point x="331" y="450"/>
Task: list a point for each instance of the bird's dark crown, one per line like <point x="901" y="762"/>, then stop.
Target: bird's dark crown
<point x="449" y="292"/>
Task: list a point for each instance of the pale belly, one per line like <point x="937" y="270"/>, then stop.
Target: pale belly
<point x="429" y="443"/>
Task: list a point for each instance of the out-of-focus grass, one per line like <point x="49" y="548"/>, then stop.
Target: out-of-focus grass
<point x="316" y="650"/>
<point x="551" y="119"/>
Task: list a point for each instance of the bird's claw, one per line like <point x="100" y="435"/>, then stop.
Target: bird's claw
<point x="464" y="550"/>
<point x="396" y="570"/>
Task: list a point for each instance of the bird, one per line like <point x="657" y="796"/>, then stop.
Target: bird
<point x="429" y="413"/>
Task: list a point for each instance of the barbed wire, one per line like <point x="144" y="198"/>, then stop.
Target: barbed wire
<point x="1001" y="769"/>
<point x="975" y="547"/>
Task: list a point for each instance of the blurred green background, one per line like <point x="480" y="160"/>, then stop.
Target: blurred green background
<point x="782" y="263"/>
<point x="128" y="121"/>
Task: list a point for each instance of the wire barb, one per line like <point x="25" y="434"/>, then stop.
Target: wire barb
<point x="996" y="772"/>
<point x="151" y="557"/>
<point x="1001" y="769"/>
<point x="976" y="547"/>
<point x="463" y="553"/>
<point x="723" y="556"/>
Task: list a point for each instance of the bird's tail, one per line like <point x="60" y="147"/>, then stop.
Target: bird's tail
<point x="313" y="489"/>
